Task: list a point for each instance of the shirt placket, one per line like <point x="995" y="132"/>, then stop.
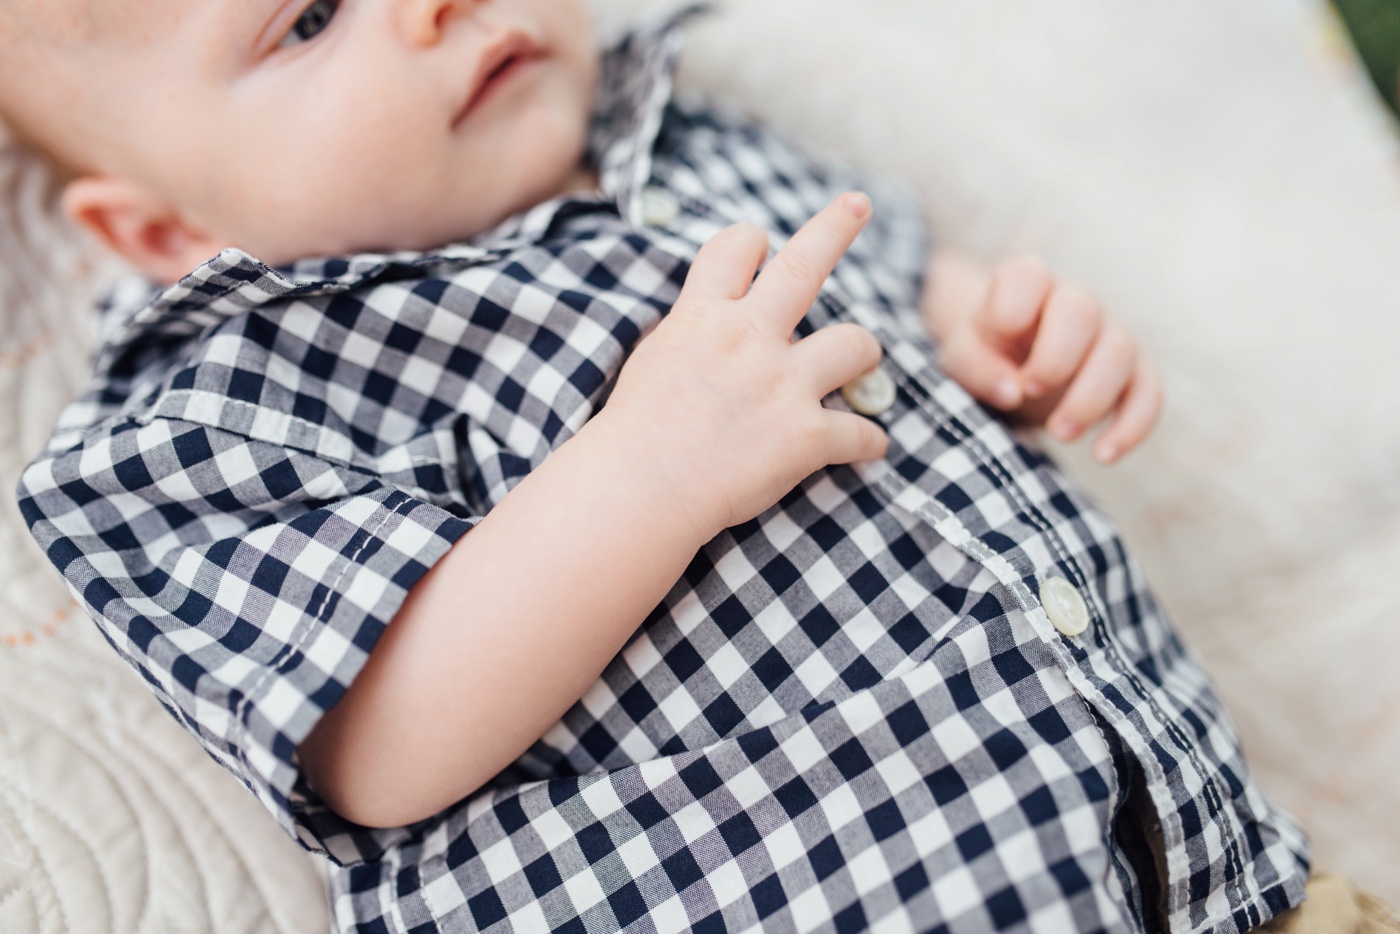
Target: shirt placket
<point x="1041" y="572"/>
<point x="1048" y="583"/>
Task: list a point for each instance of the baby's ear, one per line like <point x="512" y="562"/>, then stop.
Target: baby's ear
<point x="139" y="226"/>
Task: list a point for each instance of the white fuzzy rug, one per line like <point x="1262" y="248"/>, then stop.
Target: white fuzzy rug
<point x="1219" y="173"/>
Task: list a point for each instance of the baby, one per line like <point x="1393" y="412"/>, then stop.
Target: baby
<point x="548" y="554"/>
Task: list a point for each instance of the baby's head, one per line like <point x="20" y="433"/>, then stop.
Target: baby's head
<point x="295" y="128"/>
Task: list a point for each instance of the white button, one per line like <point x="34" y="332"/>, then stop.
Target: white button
<point x="659" y="207"/>
<point x="1064" y="606"/>
<point x="871" y="394"/>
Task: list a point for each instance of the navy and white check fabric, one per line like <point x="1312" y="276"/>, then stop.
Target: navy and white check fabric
<point x="852" y="712"/>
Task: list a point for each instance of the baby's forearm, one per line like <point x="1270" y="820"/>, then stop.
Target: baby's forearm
<point x="506" y="632"/>
<point x="715" y="416"/>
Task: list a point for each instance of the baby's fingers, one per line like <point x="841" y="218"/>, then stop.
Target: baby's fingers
<point x="1068" y="328"/>
<point x="1136" y="415"/>
<point x="982" y="370"/>
<point x="1097" y="386"/>
<point x="835" y="355"/>
<point x="793" y="278"/>
<point x="1015" y="298"/>
<point x="725" y="266"/>
<point x="851" y="438"/>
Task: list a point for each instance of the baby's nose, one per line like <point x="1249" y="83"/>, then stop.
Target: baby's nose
<point x="422" y="22"/>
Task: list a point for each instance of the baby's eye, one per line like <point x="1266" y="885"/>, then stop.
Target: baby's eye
<point x="311" y="23"/>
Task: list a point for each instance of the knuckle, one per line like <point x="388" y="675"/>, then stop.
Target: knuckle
<point x="1156" y="395"/>
<point x="741" y="237"/>
<point x="868" y="444"/>
<point x="1084" y="409"/>
<point x="739" y="335"/>
<point x="1119" y="343"/>
<point x="874" y="350"/>
<point x="874" y="439"/>
<point x="812" y="437"/>
<point x="1028" y="269"/>
<point x="685" y="317"/>
<point x="712" y="335"/>
<point x="860" y="343"/>
<point x="1077" y="304"/>
<point x="749" y="234"/>
<point x="798" y="267"/>
<point x="1052" y="366"/>
<point x="1135" y="427"/>
<point x="715" y="242"/>
<point x="1123" y="356"/>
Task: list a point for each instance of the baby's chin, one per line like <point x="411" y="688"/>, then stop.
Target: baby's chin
<point x="284" y="247"/>
<point x="416" y="233"/>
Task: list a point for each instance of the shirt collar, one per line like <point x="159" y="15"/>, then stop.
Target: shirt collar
<point x="635" y="83"/>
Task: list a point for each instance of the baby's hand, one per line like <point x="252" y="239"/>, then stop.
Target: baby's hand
<point x="1048" y="354"/>
<point x="721" y="402"/>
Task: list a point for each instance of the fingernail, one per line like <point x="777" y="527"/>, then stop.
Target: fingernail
<point x="1107" y="452"/>
<point x="1034" y="389"/>
<point x="1065" y="430"/>
<point x="1007" y="393"/>
<point x="857" y="203"/>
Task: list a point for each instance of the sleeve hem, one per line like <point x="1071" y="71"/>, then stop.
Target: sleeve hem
<point x="397" y="541"/>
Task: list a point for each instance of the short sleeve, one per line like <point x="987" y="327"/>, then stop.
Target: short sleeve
<point x="246" y="581"/>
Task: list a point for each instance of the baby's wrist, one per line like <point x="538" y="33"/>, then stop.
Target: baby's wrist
<point x="654" y="471"/>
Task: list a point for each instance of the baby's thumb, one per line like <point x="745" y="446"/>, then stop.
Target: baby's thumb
<point x="983" y="371"/>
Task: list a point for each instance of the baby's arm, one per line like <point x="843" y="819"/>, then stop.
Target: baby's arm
<point x="714" y="418"/>
<point x="1040" y="350"/>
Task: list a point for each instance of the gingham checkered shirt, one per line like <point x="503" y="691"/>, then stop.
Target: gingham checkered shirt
<point x="851" y="712"/>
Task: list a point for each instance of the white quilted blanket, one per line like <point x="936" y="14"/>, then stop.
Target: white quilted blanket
<point x="1219" y="172"/>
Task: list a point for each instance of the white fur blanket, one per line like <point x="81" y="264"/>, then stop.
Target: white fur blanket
<point x="1219" y="172"/>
